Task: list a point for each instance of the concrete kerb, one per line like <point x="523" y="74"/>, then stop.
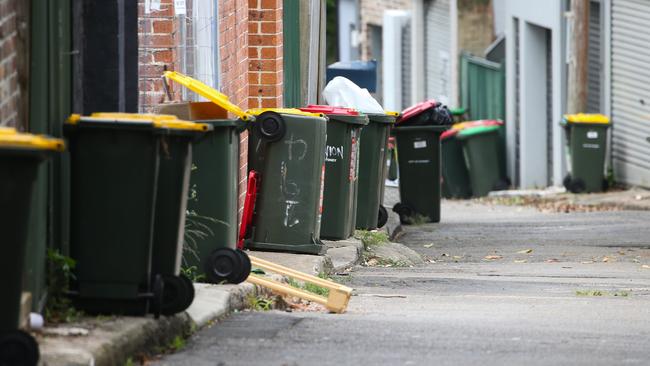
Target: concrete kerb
<point x="96" y="341"/>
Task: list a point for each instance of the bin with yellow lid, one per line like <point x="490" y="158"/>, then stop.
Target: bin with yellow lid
<point x="129" y="190"/>
<point x="287" y="149"/>
<point x="586" y="137"/>
<point x="20" y="156"/>
<point x="212" y="211"/>
<point x="371" y="214"/>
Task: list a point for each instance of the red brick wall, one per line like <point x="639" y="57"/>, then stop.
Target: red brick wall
<point x="265" y="53"/>
<point x="250" y="51"/>
<point x="9" y="91"/>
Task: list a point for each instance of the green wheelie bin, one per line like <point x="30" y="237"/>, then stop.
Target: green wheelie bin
<point x="458" y="114"/>
<point x="287" y="150"/>
<point x="455" y="176"/>
<point x="586" y="137"/>
<point x="341" y="162"/>
<point x="20" y="156"/>
<point x="481" y="146"/>
<point x="211" y="222"/>
<point x="372" y="169"/>
<point x="115" y="169"/>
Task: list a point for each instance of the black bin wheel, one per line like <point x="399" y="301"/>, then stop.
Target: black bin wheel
<point x="223" y="265"/>
<point x="270" y="126"/>
<point x="383" y="217"/>
<point x="158" y="296"/>
<point x="178" y="294"/>
<point x="405" y="213"/>
<point x="18" y="348"/>
<point x="246" y="267"/>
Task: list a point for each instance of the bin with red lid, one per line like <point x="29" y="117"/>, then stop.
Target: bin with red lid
<point x="341" y="169"/>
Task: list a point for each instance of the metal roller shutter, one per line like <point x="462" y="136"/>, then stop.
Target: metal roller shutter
<point x="437" y="38"/>
<point x="630" y="73"/>
<point x="594" y="62"/>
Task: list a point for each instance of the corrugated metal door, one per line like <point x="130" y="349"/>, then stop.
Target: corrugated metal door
<point x="630" y="52"/>
<point x="594" y="60"/>
<point x="437" y="38"/>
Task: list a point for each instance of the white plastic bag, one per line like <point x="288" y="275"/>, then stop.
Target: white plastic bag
<point x="342" y="92"/>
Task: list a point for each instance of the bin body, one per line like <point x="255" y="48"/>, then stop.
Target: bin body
<point x="17" y="176"/>
<point x="171" y="203"/>
<point x="372" y="169"/>
<point x="289" y="201"/>
<point x="114" y="176"/>
<point x="214" y="182"/>
<point x="419" y="168"/>
<point x="341" y="162"/>
<point x="455" y="176"/>
<point x="480" y="146"/>
<point x="587" y="145"/>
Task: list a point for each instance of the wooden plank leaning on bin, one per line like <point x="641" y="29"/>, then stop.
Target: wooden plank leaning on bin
<point x="336" y="301"/>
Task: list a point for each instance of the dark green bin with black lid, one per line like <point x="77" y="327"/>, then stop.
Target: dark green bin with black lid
<point x="373" y="169"/>
<point x="20" y="156"/>
<point x="455" y="176"/>
<point x="115" y="169"/>
<point x="341" y="170"/>
<point x="586" y="137"/>
<point x="287" y="150"/>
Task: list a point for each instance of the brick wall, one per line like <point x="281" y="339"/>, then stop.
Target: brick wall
<point x="9" y="90"/>
<point x="250" y="52"/>
<point x="475" y="25"/>
<point x="265" y="53"/>
<point x="372" y="13"/>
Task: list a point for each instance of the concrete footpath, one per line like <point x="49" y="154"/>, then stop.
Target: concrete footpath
<point x="112" y="340"/>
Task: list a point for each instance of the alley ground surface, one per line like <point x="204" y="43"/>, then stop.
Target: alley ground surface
<point x="503" y="286"/>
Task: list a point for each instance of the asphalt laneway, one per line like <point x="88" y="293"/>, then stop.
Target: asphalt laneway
<point x="504" y="285"/>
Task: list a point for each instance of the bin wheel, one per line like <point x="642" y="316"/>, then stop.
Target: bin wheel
<point x="567" y="182"/>
<point x="383" y="217"/>
<point x="18" y="348"/>
<point x="190" y="286"/>
<point x="405" y="213"/>
<point x="158" y="296"/>
<point x="223" y="265"/>
<point x="501" y="185"/>
<point x="577" y="186"/>
<point x="270" y="126"/>
<point x="177" y="295"/>
<point x="245" y="268"/>
<point x="605" y="184"/>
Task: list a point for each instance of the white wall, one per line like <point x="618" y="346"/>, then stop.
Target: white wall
<point x="547" y="14"/>
<point x="348" y="32"/>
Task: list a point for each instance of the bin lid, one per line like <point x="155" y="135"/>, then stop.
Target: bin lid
<point x="481" y="122"/>
<point x="294" y="111"/>
<point x="458" y="111"/>
<point x="388" y="117"/>
<point x="207" y="92"/>
<point x="328" y="109"/>
<point x="166" y="121"/>
<point x="585" y="118"/>
<point x="477" y="130"/>
<point x="11" y="138"/>
<point x="414" y="110"/>
<point x="449" y="133"/>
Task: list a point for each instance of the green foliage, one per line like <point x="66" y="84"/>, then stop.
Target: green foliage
<point x="59" y="307"/>
<point x="192" y="272"/>
<point x="260" y="303"/>
<point x="310" y="287"/>
<point x="177" y="344"/>
<point x="370" y="238"/>
<point x="417" y="219"/>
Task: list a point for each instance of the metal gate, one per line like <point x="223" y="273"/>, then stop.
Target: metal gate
<point x="630" y="50"/>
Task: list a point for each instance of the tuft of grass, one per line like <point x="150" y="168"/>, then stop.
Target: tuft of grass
<point x="418" y="219"/>
<point x="129" y="362"/>
<point x="177" y="344"/>
<point x="310" y="287"/>
<point x="370" y="238"/>
<point x="192" y="272"/>
<point x="260" y="303"/>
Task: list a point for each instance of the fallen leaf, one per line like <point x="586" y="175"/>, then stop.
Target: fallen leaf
<point x="492" y="257"/>
<point x="521" y="261"/>
<point x="645" y="266"/>
<point x="552" y="260"/>
<point x="621" y="252"/>
<point x="428" y="245"/>
<point x="636" y="260"/>
<point x="605" y="259"/>
<point x="458" y="257"/>
<point x="525" y="251"/>
<point x="444" y="255"/>
<point x="587" y="262"/>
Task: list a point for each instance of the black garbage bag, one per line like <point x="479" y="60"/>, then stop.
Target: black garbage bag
<point x="429" y="113"/>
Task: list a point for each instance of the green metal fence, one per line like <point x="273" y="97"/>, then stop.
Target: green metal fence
<point x="482" y="88"/>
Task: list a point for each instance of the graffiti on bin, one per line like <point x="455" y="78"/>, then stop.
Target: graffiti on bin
<point x="333" y="153"/>
<point x="302" y="144"/>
